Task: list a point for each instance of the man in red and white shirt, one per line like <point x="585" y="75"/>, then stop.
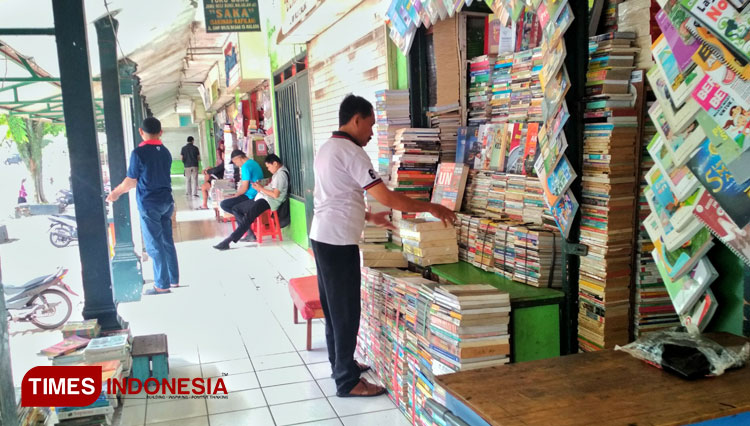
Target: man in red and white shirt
<point x="343" y="172"/>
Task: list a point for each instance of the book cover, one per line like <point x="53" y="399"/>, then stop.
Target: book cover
<point x="450" y="183"/>
<point x="559" y="180"/>
<point x="731" y="154"/>
<point x="678" y="118"/>
<point x="677" y="224"/>
<point x="68" y="345"/>
<point x="678" y="262"/>
<point x="732" y="118"/>
<point x="680" y="144"/>
<point x="723" y="227"/>
<point x="717" y="51"/>
<point x="713" y="174"/>
<point x="701" y="314"/>
<point x="564" y="211"/>
<point x="513" y="164"/>
<point x="468" y="146"/>
<point x="550" y="155"/>
<point x="679" y="85"/>
<point x="737" y="87"/>
<point x="685" y="291"/>
<point x="681" y="181"/>
<point x="723" y="20"/>
<point x="682" y="52"/>
<point x="530" y="150"/>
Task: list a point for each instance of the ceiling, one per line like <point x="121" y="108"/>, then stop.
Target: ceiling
<point x="166" y="38"/>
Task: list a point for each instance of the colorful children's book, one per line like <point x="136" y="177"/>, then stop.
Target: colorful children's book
<point x="559" y="180"/>
<point x="681" y="181"/>
<point x="550" y="155"/>
<point x="736" y="86"/>
<point x="723" y="227"/>
<point x="677" y="225"/>
<point x="682" y="52"/>
<point x="678" y="262"/>
<point x="701" y="314"/>
<point x="531" y="149"/>
<point x="564" y="211"/>
<point x="717" y="49"/>
<point x="727" y="113"/>
<point x="722" y="19"/>
<point x="731" y="154"/>
<point x="686" y="291"/>
<point x="514" y="162"/>
<point x="714" y="175"/>
<point x="680" y="144"/>
<point x="68" y="345"/>
<point x="679" y="85"/>
<point x="678" y="118"/>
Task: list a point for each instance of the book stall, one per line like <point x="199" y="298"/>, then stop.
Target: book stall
<point x="593" y="160"/>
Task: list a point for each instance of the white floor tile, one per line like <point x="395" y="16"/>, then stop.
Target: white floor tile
<point x="314" y="356"/>
<point x="193" y="421"/>
<point x="236" y="366"/>
<point x="390" y="417"/>
<point x="328" y="385"/>
<point x="320" y="370"/>
<point x="187" y="371"/>
<point x="134" y="415"/>
<point x="215" y="354"/>
<point x="175" y="410"/>
<point x="329" y="422"/>
<point x="240" y="382"/>
<point x="301" y="412"/>
<point x="283" y="394"/>
<point x="269" y="362"/>
<point x="131" y="400"/>
<point x="237" y="401"/>
<point x="283" y="376"/>
<point x="351" y="406"/>
<point x="254" y="417"/>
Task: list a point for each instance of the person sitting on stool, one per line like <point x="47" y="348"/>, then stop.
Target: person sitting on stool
<point x="270" y="197"/>
<point x="242" y="203"/>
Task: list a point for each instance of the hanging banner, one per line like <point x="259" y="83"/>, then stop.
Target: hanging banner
<point x="235" y="16"/>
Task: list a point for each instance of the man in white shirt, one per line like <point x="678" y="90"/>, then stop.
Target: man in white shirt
<point x="343" y="172"/>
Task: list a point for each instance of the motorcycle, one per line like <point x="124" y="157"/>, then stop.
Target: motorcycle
<point x="41" y="301"/>
<point x="64" y="198"/>
<point x="63" y="230"/>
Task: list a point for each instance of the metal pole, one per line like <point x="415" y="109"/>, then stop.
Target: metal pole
<point x="8" y="406"/>
<point x="85" y="165"/>
<point x="126" y="274"/>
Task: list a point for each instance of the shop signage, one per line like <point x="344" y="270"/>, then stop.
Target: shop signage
<point x="294" y="11"/>
<point x="225" y="16"/>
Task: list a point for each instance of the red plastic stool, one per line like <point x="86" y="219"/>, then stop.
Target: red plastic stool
<point x="269" y="227"/>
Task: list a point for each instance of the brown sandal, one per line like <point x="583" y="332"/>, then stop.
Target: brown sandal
<point x="362" y="367"/>
<point x="363" y="389"/>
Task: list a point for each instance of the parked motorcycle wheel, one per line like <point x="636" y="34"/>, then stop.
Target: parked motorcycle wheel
<point x="59" y="237"/>
<point x="55" y="311"/>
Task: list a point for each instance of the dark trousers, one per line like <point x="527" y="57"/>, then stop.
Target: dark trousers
<point x="248" y="211"/>
<point x="338" y="284"/>
<point x="156" y="226"/>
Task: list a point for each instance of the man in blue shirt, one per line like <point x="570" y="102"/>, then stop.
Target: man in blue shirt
<point x="241" y="205"/>
<point x="149" y="172"/>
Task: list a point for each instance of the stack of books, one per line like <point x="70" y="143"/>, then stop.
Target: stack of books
<point x="537" y="256"/>
<point x="447" y="119"/>
<point x="67" y="352"/>
<point x="378" y="256"/>
<point x="501" y="90"/>
<point x="89" y="328"/>
<point x="469" y="328"/>
<point x="101" y="412"/>
<point x="480" y="90"/>
<point x="496" y="196"/>
<point x="31" y="415"/>
<point x="415" y="161"/>
<point x="428" y="242"/>
<point x="505" y="250"/>
<point x="111" y="348"/>
<point x="611" y="145"/>
<point x="373" y="233"/>
<point x="392" y="113"/>
<point x="371" y="300"/>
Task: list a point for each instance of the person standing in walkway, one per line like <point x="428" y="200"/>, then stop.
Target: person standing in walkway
<point x="190" y="156"/>
<point x="150" y="164"/>
<point x="343" y="173"/>
<point x="22" y="192"/>
<point x="241" y="205"/>
<point x="270" y="197"/>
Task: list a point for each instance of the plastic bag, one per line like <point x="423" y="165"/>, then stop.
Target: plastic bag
<point x="686" y="355"/>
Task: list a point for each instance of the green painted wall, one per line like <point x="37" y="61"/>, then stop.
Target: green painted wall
<point x="536" y="333"/>
<point x="397" y="71"/>
<point x="729" y="290"/>
<point x="299" y="222"/>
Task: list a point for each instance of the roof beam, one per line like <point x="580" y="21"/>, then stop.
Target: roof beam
<point x="26" y="31"/>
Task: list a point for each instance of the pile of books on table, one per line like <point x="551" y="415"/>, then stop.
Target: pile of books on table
<point x="428" y="242"/>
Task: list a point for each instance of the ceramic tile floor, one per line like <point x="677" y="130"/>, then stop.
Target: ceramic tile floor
<point x="233" y="318"/>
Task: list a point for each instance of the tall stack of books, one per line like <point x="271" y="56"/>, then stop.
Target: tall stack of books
<point x="520" y="86"/>
<point x="533" y="201"/>
<point x="427" y="242"/>
<point x="653" y="308"/>
<point x="480" y="90"/>
<point x="425" y="379"/>
<point x="480" y="188"/>
<point x="392" y="113"/>
<point x="538" y="256"/>
<point x="415" y="161"/>
<point x="469" y="327"/>
<point x="496" y="196"/>
<point x="378" y="256"/>
<point x="447" y="119"/>
<point x="501" y="90"/>
<point x="611" y="143"/>
<point x="505" y="250"/>
<point x="368" y="343"/>
<point x="110" y="348"/>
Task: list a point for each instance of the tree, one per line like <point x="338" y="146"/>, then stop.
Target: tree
<point x="28" y="135"/>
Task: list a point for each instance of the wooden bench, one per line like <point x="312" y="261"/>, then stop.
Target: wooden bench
<point x="306" y="300"/>
<point x="150" y="357"/>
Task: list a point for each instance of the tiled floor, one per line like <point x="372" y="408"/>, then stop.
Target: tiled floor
<point x="233" y="318"/>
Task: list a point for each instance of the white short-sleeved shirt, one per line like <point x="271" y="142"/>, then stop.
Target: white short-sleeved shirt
<point x="343" y="172"/>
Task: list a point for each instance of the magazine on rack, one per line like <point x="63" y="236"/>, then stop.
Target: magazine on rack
<point x="564" y="211"/>
<point x="686" y="291"/>
<point x="730" y="153"/>
<point x="679" y="84"/>
<point x="720" y="52"/>
<point x="679" y="118"/>
<point x="724" y="21"/>
<point x="731" y="82"/>
<point x="681" y="181"/>
<point x="723" y="227"/>
<point x="680" y="144"/>
<point x="682" y="52"/>
<point x="678" y="262"/>
<point x="727" y="113"/>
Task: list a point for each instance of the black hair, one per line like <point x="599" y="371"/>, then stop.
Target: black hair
<point x="151" y="125"/>
<point x="237" y="153"/>
<point x="190" y="139"/>
<point x="273" y="158"/>
<point x="354" y="105"/>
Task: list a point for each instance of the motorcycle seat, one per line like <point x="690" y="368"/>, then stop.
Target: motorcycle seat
<point x="15" y="289"/>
